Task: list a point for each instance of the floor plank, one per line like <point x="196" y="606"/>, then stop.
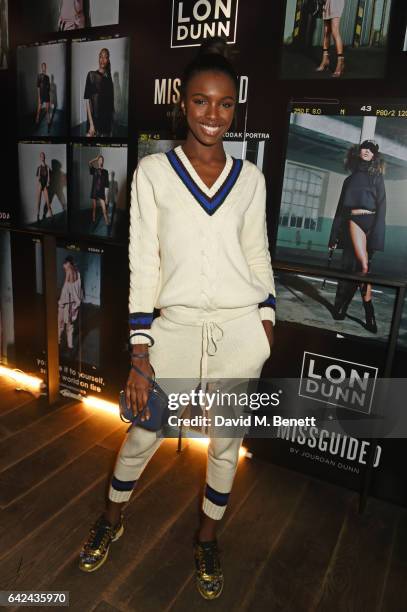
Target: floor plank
<point x="28" y="413"/>
<point x="62" y="537"/>
<point x="40" y="433"/>
<point x="170" y="562"/>
<point x="395" y="592"/>
<point x="301" y="553"/>
<point x="358" y="570"/>
<point x="34" y="469"/>
<point x="147" y="520"/>
<point x="33" y="511"/>
<point x="10" y="398"/>
<point x="103" y="606"/>
<point x="288" y="542"/>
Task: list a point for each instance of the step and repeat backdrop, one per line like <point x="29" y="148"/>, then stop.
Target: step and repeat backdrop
<point x="92" y="87"/>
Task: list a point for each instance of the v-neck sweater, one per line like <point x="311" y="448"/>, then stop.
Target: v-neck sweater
<point x="198" y="253"/>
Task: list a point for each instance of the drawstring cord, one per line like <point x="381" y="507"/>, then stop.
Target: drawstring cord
<point x="212" y="333"/>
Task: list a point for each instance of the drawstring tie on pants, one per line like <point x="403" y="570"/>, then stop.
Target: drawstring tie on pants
<point x="212" y="333"/>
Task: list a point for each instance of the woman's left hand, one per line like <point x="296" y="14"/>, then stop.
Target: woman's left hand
<point x="268" y="328"/>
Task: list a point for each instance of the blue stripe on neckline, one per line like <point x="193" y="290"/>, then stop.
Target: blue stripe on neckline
<point x="209" y="204"/>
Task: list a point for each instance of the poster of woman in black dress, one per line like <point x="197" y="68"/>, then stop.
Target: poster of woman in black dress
<point x="43" y="177"/>
<point x="41" y="90"/>
<point x="100" y="85"/>
<point x="100" y="187"/>
<point x="44" y="97"/>
<point x="99" y="190"/>
<point x="43" y="185"/>
<point x="99" y="97"/>
<point x="358" y="227"/>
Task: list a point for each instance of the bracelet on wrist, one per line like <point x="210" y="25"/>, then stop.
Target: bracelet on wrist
<point x="140" y="355"/>
<point x="131" y="346"/>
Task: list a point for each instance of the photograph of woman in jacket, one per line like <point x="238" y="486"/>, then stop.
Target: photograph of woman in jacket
<point x="359" y="225"/>
<point x="69" y="302"/>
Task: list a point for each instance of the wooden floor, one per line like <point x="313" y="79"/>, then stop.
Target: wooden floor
<point x="288" y="542"/>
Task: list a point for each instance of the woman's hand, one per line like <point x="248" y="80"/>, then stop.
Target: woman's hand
<point x="138" y="388"/>
<point x="269" y="329"/>
<point x="91" y="131"/>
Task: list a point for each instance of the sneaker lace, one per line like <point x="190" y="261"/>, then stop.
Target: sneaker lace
<point x="208" y="558"/>
<point x="99" y="535"/>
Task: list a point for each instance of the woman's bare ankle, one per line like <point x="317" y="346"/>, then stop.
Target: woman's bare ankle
<point x="113" y="512"/>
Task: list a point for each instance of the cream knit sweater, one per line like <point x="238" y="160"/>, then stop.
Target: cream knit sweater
<point x="196" y="253"/>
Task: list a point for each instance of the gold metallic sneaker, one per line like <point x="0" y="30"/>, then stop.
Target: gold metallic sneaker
<point x="209" y="576"/>
<point x="95" y="550"/>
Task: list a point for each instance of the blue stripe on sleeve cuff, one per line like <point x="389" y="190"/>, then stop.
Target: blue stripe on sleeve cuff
<point x="143" y="319"/>
<point x="270" y="301"/>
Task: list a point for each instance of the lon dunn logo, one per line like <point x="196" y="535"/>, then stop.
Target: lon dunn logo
<point x="335" y="381"/>
<point x="195" y="20"/>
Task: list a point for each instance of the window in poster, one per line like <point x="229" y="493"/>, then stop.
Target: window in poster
<point x="345" y="180"/>
<point x="335" y="305"/>
<point x="79" y="316"/>
<point x="4" y="42"/>
<point x="43" y="185"/>
<point x="99" y="190"/>
<point x="357" y="51"/>
<point x="41" y="90"/>
<point x="240" y="148"/>
<point x="69" y="15"/>
<point x="100" y="88"/>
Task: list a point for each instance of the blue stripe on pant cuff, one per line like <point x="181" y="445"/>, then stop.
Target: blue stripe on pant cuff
<point x="220" y="499"/>
<point x="123" y="485"/>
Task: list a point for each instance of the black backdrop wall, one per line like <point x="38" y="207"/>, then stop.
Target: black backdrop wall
<point x="150" y="41"/>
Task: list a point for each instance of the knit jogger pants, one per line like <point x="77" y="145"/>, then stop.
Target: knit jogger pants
<point x="235" y="349"/>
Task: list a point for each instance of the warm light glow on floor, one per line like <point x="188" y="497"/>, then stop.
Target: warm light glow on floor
<point x="96" y="402"/>
<point x="243" y="452"/>
<point x="24" y="380"/>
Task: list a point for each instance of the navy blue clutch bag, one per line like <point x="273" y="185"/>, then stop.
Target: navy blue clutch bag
<point x="157" y="404"/>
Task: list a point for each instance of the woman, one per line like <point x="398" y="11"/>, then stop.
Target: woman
<point x="69" y="301"/>
<point x="43" y="175"/>
<point x="199" y="252"/>
<point x="100" y="183"/>
<point x="99" y="96"/>
<point x="331" y="14"/>
<point x="359" y="225"/>
<point x="71" y="15"/>
<point x="43" y="94"/>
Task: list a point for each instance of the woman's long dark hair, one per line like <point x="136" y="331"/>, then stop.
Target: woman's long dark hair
<point x="376" y="165"/>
